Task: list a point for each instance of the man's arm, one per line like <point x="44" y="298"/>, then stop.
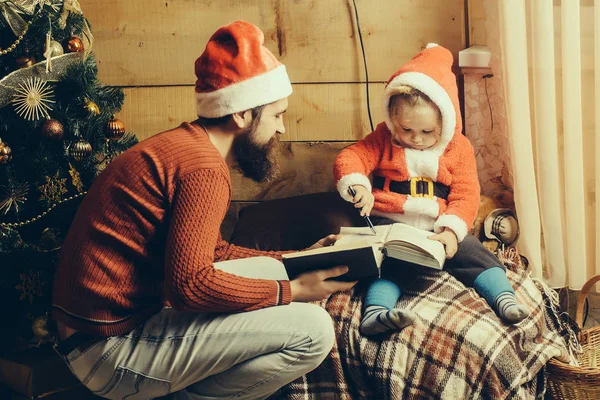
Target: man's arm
<point x="227" y="251"/>
<point x="191" y="281"/>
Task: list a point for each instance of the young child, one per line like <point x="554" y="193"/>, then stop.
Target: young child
<point x="424" y="175"/>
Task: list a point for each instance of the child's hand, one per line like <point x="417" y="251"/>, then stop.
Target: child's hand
<point x="363" y="199"/>
<point x="449" y="240"/>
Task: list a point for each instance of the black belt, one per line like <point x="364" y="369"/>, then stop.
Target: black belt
<point x="79" y="340"/>
<point x="416" y="187"/>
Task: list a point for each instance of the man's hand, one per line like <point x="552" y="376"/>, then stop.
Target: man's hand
<point x="449" y="240"/>
<point x="363" y="199"/>
<point x="314" y="286"/>
<point x="326" y="241"/>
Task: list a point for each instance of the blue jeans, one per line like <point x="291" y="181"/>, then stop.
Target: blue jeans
<point x="185" y="355"/>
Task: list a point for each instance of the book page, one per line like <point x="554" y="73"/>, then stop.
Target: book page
<point x="414" y="241"/>
<point x="413" y="254"/>
<point x="354" y="234"/>
<point x="355" y="244"/>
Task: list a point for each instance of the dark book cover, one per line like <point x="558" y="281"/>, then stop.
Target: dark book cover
<point x="362" y="263"/>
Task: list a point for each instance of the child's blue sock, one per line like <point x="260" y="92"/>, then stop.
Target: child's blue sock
<point x="379" y="315"/>
<point x="493" y="285"/>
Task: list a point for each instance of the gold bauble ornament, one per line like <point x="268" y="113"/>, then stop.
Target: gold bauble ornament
<point x="5" y="153"/>
<point x="40" y="329"/>
<point x="24" y="61"/>
<point x="52" y="129"/>
<point x="55" y="49"/>
<point x="80" y="150"/>
<point x="73" y="45"/>
<point x="92" y="107"/>
<point x="114" y="129"/>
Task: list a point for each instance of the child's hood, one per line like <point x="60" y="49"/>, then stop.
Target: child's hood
<point x="430" y="71"/>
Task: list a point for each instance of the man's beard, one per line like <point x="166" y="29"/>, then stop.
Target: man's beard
<point x="256" y="161"/>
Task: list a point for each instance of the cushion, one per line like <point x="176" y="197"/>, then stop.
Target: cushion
<point x="293" y="223"/>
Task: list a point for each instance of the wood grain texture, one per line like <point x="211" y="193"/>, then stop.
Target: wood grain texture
<point x="148" y="47"/>
<point x="328" y="112"/>
<point x="149" y="42"/>
<point x="477" y="29"/>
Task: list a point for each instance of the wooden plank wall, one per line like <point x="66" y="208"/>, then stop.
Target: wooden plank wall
<point x="148" y="48"/>
<point x="477" y="21"/>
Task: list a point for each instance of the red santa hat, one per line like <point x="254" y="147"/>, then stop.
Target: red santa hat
<point x="236" y="72"/>
<point x="430" y="71"/>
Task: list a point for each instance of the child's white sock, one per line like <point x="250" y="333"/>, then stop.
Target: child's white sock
<point x="378" y="319"/>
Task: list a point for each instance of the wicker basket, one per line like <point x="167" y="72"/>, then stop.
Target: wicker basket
<point x="573" y="383"/>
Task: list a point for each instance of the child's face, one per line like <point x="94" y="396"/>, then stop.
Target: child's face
<point x="416" y="126"/>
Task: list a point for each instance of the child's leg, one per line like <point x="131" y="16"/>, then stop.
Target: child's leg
<point x="493" y="285"/>
<point x="380" y="315"/>
<point x="477" y="267"/>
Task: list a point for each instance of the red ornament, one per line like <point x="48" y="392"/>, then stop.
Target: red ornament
<point x="53" y="129"/>
<point x="74" y="45"/>
<point x="5" y="153"/>
<point x="24" y="61"/>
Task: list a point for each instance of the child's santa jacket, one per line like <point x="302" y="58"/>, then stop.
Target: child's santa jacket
<point x="450" y="162"/>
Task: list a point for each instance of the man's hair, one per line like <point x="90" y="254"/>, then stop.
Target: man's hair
<point x="403" y="96"/>
<point x="256" y="114"/>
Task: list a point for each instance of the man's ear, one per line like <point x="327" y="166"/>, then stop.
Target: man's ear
<point x="242" y="119"/>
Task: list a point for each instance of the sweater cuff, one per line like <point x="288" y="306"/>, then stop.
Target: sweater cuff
<point x="285" y="293"/>
<point x="349" y="180"/>
<point x="453" y="222"/>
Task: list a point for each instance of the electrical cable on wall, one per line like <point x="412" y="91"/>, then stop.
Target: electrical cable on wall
<point x="485" y="78"/>
<point x="365" y="63"/>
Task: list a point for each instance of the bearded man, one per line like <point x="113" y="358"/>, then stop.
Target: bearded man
<point x="149" y="300"/>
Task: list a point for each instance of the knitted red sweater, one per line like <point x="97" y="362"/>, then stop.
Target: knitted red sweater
<point x="147" y="234"/>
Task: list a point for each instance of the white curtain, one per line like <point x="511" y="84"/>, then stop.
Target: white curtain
<point x="545" y="54"/>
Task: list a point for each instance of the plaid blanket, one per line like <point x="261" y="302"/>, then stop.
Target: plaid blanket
<point x="456" y="349"/>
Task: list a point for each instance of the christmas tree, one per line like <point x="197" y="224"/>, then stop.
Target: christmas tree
<point x="57" y="133"/>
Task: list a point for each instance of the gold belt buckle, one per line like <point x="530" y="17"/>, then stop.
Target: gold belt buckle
<point x="413" y="187"/>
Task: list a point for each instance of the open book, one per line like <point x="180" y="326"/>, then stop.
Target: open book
<point x="364" y="252"/>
